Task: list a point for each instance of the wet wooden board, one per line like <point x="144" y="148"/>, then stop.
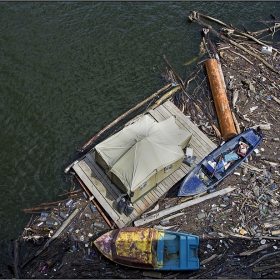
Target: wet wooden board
<point x="106" y="193"/>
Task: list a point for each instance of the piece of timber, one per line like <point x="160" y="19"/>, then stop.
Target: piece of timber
<point x="173" y="209"/>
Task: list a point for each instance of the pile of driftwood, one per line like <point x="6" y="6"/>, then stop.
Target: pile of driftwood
<point x="235" y="49"/>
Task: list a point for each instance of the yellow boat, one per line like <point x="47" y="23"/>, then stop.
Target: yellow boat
<point x="149" y="248"/>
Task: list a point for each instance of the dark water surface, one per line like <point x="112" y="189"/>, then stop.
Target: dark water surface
<point x="68" y="69"/>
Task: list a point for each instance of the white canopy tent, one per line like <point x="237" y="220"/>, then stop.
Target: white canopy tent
<point x="142" y="154"/>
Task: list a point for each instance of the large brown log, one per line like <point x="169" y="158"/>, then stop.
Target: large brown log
<point x="220" y="99"/>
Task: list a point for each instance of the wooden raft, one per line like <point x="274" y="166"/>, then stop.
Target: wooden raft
<point x="99" y="185"/>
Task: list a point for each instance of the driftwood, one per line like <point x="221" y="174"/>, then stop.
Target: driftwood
<point x="164" y="97"/>
<point x="43" y="206"/>
<point x="235" y="29"/>
<point x="250" y="252"/>
<point x="57" y="233"/>
<point x="208" y="259"/>
<point x="254" y="55"/>
<point x="82" y="149"/>
<point x="181" y="206"/>
<point x="242" y="57"/>
<point x="275" y="99"/>
<point x="195" y="17"/>
<point x="236" y="123"/>
<point x="262" y="268"/>
<point x="275" y="232"/>
<point x="271" y="224"/>
<point x="263" y="257"/>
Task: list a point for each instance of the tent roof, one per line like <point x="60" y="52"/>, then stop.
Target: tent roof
<point x="139" y="150"/>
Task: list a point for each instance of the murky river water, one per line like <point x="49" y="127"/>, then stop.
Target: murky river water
<point x="68" y="69"/>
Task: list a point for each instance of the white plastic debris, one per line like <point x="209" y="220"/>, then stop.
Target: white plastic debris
<point x="266" y="50"/>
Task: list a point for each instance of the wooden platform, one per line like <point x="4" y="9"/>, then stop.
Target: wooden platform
<point x="106" y="193"/>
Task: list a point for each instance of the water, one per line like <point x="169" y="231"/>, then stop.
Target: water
<point x="69" y="69"/>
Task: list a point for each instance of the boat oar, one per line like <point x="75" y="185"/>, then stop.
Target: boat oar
<point x="220" y="158"/>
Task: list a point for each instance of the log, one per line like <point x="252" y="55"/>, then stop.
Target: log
<point x="251" y="167"/>
<point x="254" y="55"/>
<point x="262" y="268"/>
<point x="220" y="99"/>
<point x="121" y="117"/>
<point x="164" y="97"/>
<point x="181" y="206"/>
<point x="195" y="18"/>
<point x="237" y="127"/>
<point x="242" y="57"/>
<point x="208" y="259"/>
<point x="250" y="252"/>
<point x="263" y="257"/>
<point x="271" y="224"/>
<point x="275" y="232"/>
<point x="236" y="30"/>
<point x="275" y="99"/>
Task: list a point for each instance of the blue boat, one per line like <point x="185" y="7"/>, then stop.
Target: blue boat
<point x="220" y="163"/>
<point x="149" y="248"/>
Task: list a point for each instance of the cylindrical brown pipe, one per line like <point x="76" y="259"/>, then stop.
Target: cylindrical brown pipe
<point x="220" y="99"/>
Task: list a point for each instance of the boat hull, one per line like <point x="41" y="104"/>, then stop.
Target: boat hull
<point x="204" y="176"/>
<point x="148" y="248"/>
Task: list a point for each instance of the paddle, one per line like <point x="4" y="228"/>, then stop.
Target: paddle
<point x="220" y="158"/>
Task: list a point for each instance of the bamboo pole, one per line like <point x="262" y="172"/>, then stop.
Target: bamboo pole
<point x="82" y="149"/>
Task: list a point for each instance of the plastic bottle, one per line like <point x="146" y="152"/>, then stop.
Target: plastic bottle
<point x="56" y="219"/>
<point x="69" y="202"/>
<point x="44" y="214"/>
<point x="97" y="224"/>
<point x="93" y="208"/>
<point x="72" y="207"/>
<point x="51" y="223"/>
<point x="74" y="237"/>
<point x="164" y="222"/>
<point x="63" y="215"/>
<point x="70" y="229"/>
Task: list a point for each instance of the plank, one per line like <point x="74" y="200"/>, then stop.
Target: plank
<point x="101" y="175"/>
<point x="96" y="188"/>
<point x="181" y="206"/>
